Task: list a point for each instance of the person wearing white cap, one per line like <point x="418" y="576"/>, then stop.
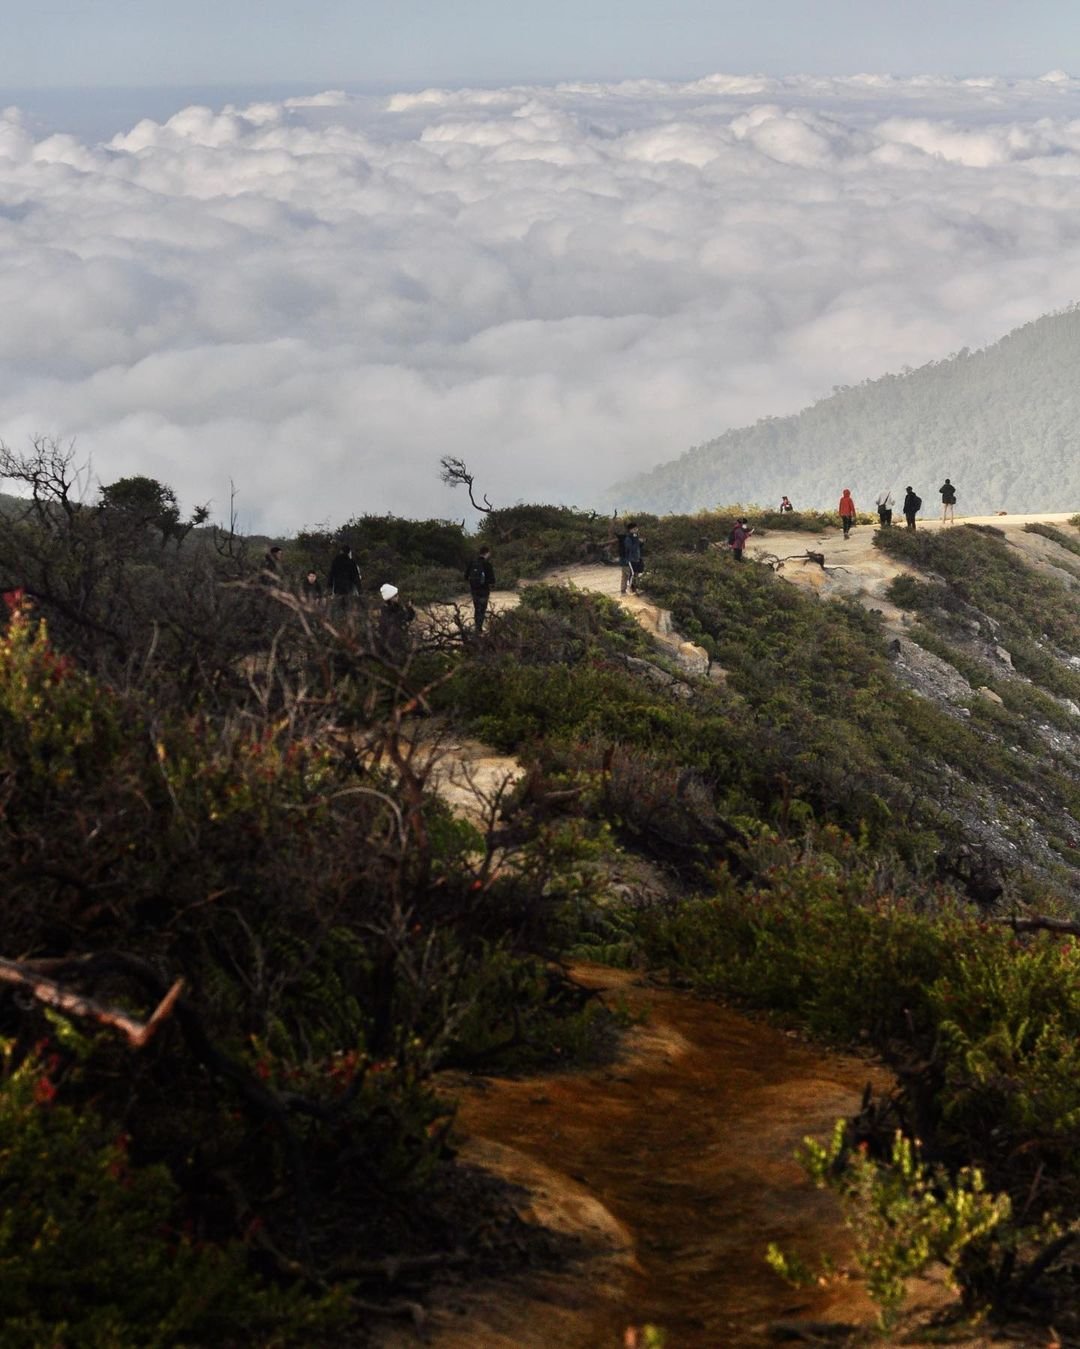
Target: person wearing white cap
<point x="394" y="619"/>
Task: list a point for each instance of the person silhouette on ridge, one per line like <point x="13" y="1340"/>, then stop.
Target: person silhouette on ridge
<point x="912" y="506"/>
<point x="948" y="502"/>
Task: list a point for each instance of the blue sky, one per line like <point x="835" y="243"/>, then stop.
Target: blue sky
<point x="374" y="43"/>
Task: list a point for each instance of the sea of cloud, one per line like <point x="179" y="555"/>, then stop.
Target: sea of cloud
<point x="317" y="298"/>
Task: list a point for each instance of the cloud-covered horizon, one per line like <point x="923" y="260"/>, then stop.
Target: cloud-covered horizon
<point x="562" y="285"/>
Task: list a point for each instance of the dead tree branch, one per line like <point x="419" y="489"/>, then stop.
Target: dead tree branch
<point x="138" y="1033"/>
<point x="1042" y="924"/>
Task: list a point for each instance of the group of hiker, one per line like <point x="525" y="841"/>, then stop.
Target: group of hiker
<point x="343" y="587"/>
<point x="395" y="615"/>
<point x="911" y="508"/>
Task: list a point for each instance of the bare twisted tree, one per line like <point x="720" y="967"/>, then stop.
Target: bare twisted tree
<point x="455" y="473"/>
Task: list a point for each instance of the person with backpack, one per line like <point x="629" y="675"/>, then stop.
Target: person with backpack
<point x="948" y="502"/>
<point x="480" y="575"/>
<point x="912" y="506"/>
<point x="631" y="556"/>
<point x="740" y="532"/>
<point x="344" y="575"/>
<point x="847" y="511"/>
<point x="885" y="503"/>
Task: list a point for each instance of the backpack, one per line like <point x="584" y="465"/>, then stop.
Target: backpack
<point x="476" y="574"/>
<point x="916" y="504"/>
<point x="732" y="536"/>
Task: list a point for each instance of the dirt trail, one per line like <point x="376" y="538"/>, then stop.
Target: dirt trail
<point x="674" y="1170"/>
<point x="853" y="567"/>
<point x="863" y="571"/>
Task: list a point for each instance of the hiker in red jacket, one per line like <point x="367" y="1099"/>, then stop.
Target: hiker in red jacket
<point x="847" y="511"/>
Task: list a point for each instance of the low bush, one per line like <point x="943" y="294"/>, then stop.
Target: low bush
<point x="1058" y="536"/>
<point x="338" y="935"/>
<point x="98" y="1250"/>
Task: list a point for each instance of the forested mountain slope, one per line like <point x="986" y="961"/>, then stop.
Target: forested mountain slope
<point x="1002" y="422"/>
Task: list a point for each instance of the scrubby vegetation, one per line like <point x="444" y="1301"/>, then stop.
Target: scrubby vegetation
<point x="826" y="876"/>
<point x="224" y="803"/>
<point x="243" y="935"/>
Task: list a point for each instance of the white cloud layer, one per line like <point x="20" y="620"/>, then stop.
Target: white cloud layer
<point x="563" y="286"/>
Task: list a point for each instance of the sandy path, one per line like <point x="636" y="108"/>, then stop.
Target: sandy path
<point x="857" y="568"/>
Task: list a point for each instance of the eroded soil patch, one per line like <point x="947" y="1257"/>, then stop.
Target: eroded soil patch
<point x="679" y="1161"/>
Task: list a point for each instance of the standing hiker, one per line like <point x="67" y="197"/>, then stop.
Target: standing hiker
<point x="394" y="619"/>
<point x="847" y="511"/>
<point x="948" y="502"/>
<point x="632" y="557"/>
<point x="912" y="506"/>
<point x="740" y="532"/>
<point x="786" y="507"/>
<point x="344" y="575"/>
<point x="311" y="586"/>
<point x="885" y="503"/>
<point x="480" y="575"/>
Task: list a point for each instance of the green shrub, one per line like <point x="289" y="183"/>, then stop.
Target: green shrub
<point x="1057" y="536"/>
<point x="95" y="1249"/>
<point x="905" y="1216"/>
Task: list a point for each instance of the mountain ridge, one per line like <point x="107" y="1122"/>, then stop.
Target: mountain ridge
<point x="1002" y="421"/>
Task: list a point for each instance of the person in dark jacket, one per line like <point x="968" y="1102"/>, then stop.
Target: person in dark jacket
<point x="912" y="506"/>
<point x="394" y="619"/>
<point x="344" y="575"/>
<point x="631" y="556"/>
<point x="272" y="562"/>
<point x="786" y="508"/>
<point x="311" y="586"/>
<point x="480" y="575"/>
<point x="948" y="502"/>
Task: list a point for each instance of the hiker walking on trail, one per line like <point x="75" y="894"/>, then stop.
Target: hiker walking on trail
<point x="948" y="502"/>
<point x="631" y="556"/>
<point x="740" y="532"/>
<point x="480" y="575"/>
<point x="344" y="575"/>
<point x="912" y="506"/>
<point x="885" y="503"/>
<point x="847" y="511"/>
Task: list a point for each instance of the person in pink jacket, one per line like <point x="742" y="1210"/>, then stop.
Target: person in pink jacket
<point x="847" y="511"/>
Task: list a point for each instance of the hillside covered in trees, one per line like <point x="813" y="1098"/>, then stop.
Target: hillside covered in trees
<point x="1003" y="423"/>
<point x="246" y="944"/>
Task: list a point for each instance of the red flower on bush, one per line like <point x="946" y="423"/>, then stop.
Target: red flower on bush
<point x="44" y="1091"/>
